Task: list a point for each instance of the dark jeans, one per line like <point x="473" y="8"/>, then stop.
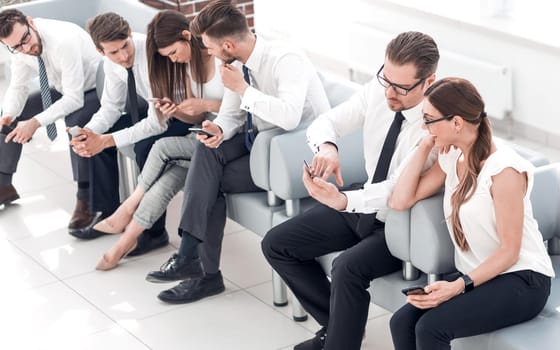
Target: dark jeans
<point x="508" y="299"/>
<point x="341" y="305"/>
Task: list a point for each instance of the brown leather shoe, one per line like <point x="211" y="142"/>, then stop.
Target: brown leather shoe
<point x="82" y="216"/>
<point x="8" y="194"/>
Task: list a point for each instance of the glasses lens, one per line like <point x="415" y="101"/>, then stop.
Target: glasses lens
<point x="383" y="82"/>
<point x="400" y="90"/>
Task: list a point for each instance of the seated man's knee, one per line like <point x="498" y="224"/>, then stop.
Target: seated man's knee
<point x="270" y="241"/>
<point x="344" y="266"/>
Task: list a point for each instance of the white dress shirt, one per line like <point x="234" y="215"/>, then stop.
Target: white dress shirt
<point x="368" y="109"/>
<point x="478" y="214"/>
<point x="285" y="90"/>
<point x="71" y="63"/>
<point x="115" y="92"/>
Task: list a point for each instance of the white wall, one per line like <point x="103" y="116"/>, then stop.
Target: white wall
<point x="328" y="28"/>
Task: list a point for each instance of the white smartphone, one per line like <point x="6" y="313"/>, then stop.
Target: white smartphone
<point x="74" y="131"/>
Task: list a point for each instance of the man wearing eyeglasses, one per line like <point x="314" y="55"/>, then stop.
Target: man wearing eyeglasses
<point x="389" y="111"/>
<point x="63" y="55"/>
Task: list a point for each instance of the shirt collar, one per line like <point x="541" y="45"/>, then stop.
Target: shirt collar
<point x="255" y="58"/>
<point x="413" y="114"/>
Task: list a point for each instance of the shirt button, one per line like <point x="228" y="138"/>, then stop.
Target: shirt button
<point x="354" y="210"/>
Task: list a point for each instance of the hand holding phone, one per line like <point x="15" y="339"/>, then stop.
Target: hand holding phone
<point x="414" y="290"/>
<point x="308" y="168"/>
<point x="201" y="131"/>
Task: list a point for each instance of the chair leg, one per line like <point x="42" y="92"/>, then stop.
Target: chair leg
<point x="279" y="290"/>
<point x="410" y="273"/>
<point x="298" y="313"/>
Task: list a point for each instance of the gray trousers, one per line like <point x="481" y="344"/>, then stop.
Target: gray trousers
<point x="213" y="173"/>
<point x="11" y="152"/>
<point x="163" y="176"/>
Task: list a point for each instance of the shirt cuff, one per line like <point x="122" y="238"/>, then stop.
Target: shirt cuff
<point x="121" y="138"/>
<point x="354" y="204"/>
<point x="249" y="99"/>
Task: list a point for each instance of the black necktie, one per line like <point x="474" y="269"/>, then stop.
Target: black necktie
<point x="249" y="131"/>
<point x="367" y="222"/>
<point x="132" y="97"/>
<point x="388" y="149"/>
<point x="46" y="96"/>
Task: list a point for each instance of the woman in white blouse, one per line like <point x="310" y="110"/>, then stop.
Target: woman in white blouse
<point x="185" y="78"/>
<point x="498" y="248"/>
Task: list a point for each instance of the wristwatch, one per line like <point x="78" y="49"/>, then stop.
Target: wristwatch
<point x="469" y="284"/>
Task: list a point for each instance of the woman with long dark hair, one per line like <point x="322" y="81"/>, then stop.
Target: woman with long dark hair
<point x="499" y="250"/>
<point x="186" y="84"/>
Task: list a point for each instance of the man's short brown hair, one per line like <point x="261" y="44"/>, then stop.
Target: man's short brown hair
<point x="107" y="27"/>
<point x="220" y="19"/>
<point x="7" y="20"/>
<point x="416" y="48"/>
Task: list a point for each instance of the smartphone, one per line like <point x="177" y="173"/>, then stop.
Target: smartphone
<point x="308" y="168"/>
<point x="414" y="290"/>
<point x="154" y="99"/>
<point x="201" y="131"/>
<point x="74" y="131"/>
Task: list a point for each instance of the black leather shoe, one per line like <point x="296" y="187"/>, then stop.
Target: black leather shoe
<point x="193" y="290"/>
<point x="315" y="343"/>
<point x="177" y="268"/>
<point x="88" y="232"/>
<point x="147" y="243"/>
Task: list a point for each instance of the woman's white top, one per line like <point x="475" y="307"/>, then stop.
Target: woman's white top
<point x="478" y="217"/>
<point x="213" y="89"/>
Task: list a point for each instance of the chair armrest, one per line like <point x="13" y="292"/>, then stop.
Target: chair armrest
<point x="431" y="248"/>
<point x="260" y="157"/>
<point x="397" y="233"/>
<point x="287" y="152"/>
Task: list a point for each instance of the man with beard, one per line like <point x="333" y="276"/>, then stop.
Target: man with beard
<point x="389" y="111"/>
<point x="267" y="85"/>
<point x="63" y="55"/>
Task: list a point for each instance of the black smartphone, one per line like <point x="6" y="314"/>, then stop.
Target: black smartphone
<point x="201" y="131"/>
<point x="308" y="168"/>
<point x="414" y="290"/>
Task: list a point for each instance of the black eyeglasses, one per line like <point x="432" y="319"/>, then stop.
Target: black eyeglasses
<point x="398" y="89"/>
<point x="24" y="40"/>
<point x="431" y="121"/>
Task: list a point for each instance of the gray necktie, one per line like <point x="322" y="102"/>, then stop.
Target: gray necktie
<point x="46" y="96"/>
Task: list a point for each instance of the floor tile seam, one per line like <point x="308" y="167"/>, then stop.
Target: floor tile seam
<point x="28" y="255"/>
<point x="174" y="307"/>
<point x="275" y="308"/>
<point x="115" y="322"/>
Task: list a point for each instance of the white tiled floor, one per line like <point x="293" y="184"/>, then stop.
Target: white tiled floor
<point x="52" y="297"/>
